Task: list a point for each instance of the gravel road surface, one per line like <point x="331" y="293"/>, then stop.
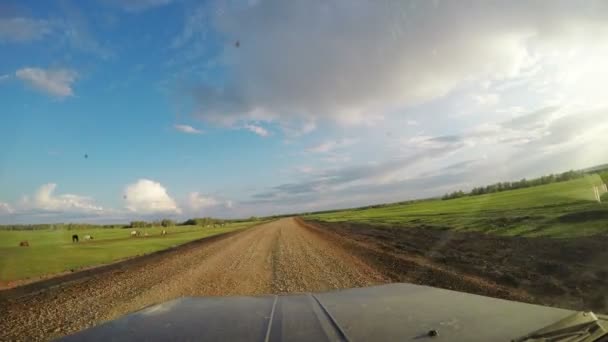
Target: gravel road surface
<point x="283" y="256"/>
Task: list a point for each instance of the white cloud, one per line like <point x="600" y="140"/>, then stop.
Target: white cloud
<point x="545" y="141"/>
<point x="72" y="31"/>
<point x="149" y="197"/>
<point x="229" y="204"/>
<point x="187" y="129"/>
<point x="333" y="180"/>
<point x="197" y="202"/>
<point x="261" y="131"/>
<point x="486" y="99"/>
<point x="298" y="128"/>
<point x="337" y="158"/>
<point x="365" y="59"/>
<point x="431" y="142"/>
<point x="4" y="77"/>
<point x="6" y="208"/>
<point x="45" y="200"/>
<point x="332" y="145"/>
<point x="305" y="169"/>
<point x="20" y="29"/>
<point x="56" y="82"/>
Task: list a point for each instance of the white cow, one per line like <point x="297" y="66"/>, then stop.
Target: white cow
<point x="88" y="237"/>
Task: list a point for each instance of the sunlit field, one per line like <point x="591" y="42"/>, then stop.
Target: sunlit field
<point x="52" y="251"/>
<point x="565" y="209"/>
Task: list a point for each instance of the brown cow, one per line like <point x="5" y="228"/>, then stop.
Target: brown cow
<point x="24" y="244"/>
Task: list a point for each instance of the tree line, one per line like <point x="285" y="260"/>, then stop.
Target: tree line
<point x="204" y="221"/>
<point x="523" y="183"/>
<point x="58" y="226"/>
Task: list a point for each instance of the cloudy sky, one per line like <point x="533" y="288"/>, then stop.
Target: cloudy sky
<point x="113" y="110"/>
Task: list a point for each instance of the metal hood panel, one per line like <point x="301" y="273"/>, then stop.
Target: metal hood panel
<point x="392" y="312"/>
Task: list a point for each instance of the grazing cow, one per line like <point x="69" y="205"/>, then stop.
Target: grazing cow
<point x="134" y="233"/>
<point x="88" y="237"/>
<point x="75" y="238"/>
<point x="163" y="233"/>
<point x="146" y="234"/>
<point x="24" y="244"/>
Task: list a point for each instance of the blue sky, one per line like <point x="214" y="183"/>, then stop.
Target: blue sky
<point x="239" y="108"/>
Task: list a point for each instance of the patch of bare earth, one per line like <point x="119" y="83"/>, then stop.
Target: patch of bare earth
<point x="567" y="273"/>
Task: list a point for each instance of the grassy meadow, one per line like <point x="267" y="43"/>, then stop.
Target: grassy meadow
<point x="560" y="210"/>
<point x="52" y="251"/>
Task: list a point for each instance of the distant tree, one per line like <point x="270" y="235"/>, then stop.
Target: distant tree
<point x="201" y="221"/>
<point x="167" y="223"/>
<point x="520" y="184"/>
<point x="453" y="195"/>
<point x="189" y="222"/>
<point x="137" y="224"/>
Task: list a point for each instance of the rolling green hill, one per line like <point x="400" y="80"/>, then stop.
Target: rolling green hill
<point x="564" y="209"/>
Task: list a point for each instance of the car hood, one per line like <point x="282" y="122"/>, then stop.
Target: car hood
<point x="380" y="313"/>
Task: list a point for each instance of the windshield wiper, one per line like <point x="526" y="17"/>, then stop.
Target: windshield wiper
<point x="579" y="327"/>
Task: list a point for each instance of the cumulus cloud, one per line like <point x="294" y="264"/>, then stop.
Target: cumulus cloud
<point x="187" y="129"/>
<point x="19" y="29"/>
<point x="46" y="200"/>
<point x="259" y="130"/>
<point x="149" y="197"/>
<point x="55" y="82"/>
<point x="356" y="61"/>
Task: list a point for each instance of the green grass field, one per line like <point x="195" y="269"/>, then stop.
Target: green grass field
<point x="565" y="209"/>
<point x="52" y="251"/>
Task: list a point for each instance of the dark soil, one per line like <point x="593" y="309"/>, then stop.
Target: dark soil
<point x="566" y="273"/>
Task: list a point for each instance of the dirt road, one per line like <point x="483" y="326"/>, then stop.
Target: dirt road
<point x="277" y="257"/>
<point x="283" y="256"/>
